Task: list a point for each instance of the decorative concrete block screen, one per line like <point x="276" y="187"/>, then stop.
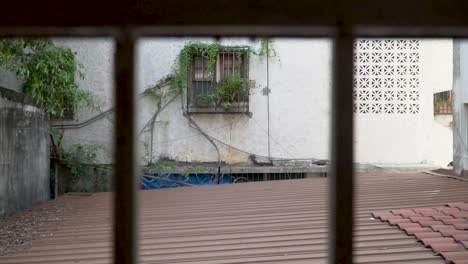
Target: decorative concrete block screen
<point x="386" y="76"/>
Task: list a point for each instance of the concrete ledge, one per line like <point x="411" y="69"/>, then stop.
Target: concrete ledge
<point x="13" y="96"/>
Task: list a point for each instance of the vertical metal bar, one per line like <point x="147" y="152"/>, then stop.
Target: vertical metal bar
<point x="125" y="239"/>
<point x="268" y="97"/>
<point x="189" y="90"/>
<point x="247" y="74"/>
<point x="233" y="62"/>
<point x="202" y="56"/>
<point x="341" y="174"/>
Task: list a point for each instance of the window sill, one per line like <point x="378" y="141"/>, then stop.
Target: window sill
<point x="244" y="109"/>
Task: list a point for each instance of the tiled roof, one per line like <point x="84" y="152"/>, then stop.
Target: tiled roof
<point x="262" y="222"/>
<point x="444" y="229"/>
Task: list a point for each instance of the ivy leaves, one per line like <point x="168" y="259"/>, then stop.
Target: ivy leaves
<point x="48" y="73"/>
<point x="183" y="63"/>
<point x="266" y="48"/>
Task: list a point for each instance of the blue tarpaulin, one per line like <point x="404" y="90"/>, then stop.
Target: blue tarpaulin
<point x="177" y="180"/>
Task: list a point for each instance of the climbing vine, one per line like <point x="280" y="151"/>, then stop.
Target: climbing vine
<point x="267" y="48"/>
<point x="181" y="69"/>
<point x="183" y="63"/>
<point x="77" y="159"/>
<point x="48" y="73"/>
<point x="233" y="88"/>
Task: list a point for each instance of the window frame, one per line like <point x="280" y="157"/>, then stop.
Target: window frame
<point x="341" y="20"/>
<point x="241" y="106"/>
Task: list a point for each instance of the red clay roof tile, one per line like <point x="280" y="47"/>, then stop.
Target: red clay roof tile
<point x="421" y="218"/>
<point x="459" y="262"/>
<point x="382" y="215"/>
<point x="439" y="240"/>
<point x="431" y="234"/>
<point x="408" y="225"/>
<point x="454" y="256"/>
<point x="460" y="205"/>
<point x="430" y="211"/>
<point x="465" y="244"/>
<point x="451" y="232"/>
<point x="461" y="226"/>
<point x="447" y="210"/>
<point x="447" y="247"/>
<point x="386" y="217"/>
<point x="453" y="220"/>
<point x="413" y="230"/>
<point x="442" y="216"/>
<point x="460" y="237"/>
<point x="395" y="221"/>
<point x="443" y="229"/>
<point x="406" y="213"/>
<point x="430" y="223"/>
<point x="402" y="211"/>
<point x="460" y="214"/>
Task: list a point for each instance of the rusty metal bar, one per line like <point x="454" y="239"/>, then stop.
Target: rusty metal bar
<point x="341" y="171"/>
<point x="125" y="181"/>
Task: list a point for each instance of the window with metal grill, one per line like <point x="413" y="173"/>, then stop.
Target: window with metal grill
<point x="443" y="103"/>
<point x="222" y="87"/>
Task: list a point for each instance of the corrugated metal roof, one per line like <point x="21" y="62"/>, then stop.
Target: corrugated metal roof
<point x="260" y="222"/>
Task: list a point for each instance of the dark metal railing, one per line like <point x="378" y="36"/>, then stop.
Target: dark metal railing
<point x="255" y="177"/>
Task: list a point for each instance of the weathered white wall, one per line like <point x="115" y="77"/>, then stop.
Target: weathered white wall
<point x="299" y="105"/>
<point x="300" y="83"/>
<point x="97" y="57"/>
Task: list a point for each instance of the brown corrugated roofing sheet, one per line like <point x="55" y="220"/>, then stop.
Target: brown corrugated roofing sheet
<point x="261" y="222"/>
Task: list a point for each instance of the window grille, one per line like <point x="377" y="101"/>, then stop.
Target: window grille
<point x="443" y="103"/>
<point x="220" y="88"/>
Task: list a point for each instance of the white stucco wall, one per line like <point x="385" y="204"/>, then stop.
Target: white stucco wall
<point x="97" y="56"/>
<point x="411" y="138"/>
<point x="300" y="83"/>
<point x="299" y="105"/>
